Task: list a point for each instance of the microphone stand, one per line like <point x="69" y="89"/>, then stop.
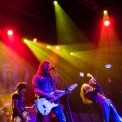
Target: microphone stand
<point x="66" y="89"/>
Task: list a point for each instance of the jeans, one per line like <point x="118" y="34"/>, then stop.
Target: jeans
<point x="108" y="110"/>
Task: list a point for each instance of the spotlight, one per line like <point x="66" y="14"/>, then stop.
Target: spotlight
<point x="105" y="12"/>
<point x="35" y="40"/>
<point x="106" y="18"/>
<point x="48" y="46"/>
<point x="55" y="2"/>
<point x="57" y="47"/>
<point x="106" y="23"/>
<point x="10" y="32"/>
<point x="108" y="66"/>
<point x="25" y="40"/>
<point x="71" y="53"/>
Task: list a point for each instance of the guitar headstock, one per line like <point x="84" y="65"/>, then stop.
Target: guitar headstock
<point x="73" y="86"/>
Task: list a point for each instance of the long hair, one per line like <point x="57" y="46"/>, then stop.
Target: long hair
<point x="83" y="96"/>
<point x="41" y="67"/>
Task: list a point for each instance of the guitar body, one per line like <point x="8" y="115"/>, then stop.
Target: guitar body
<point x="25" y="114"/>
<point x="44" y="106"/>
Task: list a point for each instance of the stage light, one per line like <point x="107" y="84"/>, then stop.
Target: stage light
<point x="57" y="47"/>
<point x="55" y="2"/>
<point x="48" y="46"/>
<point x="34" y="40"/>
<point x="71" y="53"/>
<point x="106" y="23"/>
<point x="106" y="18"/>
<point x="108" y="66"/>
<point x="25" y="40"/>
<point x="105" y="12"/>
<point x="10" y="32"/>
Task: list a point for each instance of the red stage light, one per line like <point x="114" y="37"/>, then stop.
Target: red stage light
<point x="106" y="22"/>
<point x="10" y="32"/>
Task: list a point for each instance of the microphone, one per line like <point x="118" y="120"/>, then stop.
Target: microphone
<point x="52" y="68"/>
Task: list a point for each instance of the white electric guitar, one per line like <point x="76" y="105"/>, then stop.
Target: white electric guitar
<point x="44" y="106"/>
<point x="25" y="114"/>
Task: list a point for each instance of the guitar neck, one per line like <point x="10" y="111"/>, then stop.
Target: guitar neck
<point x="72" y="87"/>
<point x="59" y="96"/>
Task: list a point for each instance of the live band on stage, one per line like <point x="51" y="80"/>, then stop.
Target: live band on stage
<point x="47" y="105"/>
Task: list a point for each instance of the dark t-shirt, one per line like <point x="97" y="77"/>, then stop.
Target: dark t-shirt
<point x="96" y="95"/>
<point x="46" y="84"/>
<point x="17" y="97"/>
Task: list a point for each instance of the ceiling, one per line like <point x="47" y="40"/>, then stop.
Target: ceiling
<point x="36" y="18"/>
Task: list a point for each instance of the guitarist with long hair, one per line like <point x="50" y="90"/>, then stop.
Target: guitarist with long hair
<point x="44" y="84"/>
<point x="18" y="102"/>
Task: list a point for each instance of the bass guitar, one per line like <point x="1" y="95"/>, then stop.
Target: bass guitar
<point x="25" y="114"/>
<point x="44" y="106"/>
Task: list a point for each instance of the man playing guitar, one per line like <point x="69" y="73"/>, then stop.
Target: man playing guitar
<point x="44" y="84"/>
<point x="18" y="102"/>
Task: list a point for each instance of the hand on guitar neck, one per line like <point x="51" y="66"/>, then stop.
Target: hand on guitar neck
<point x="67" y="91"/>
<point x="53" y="96"/>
